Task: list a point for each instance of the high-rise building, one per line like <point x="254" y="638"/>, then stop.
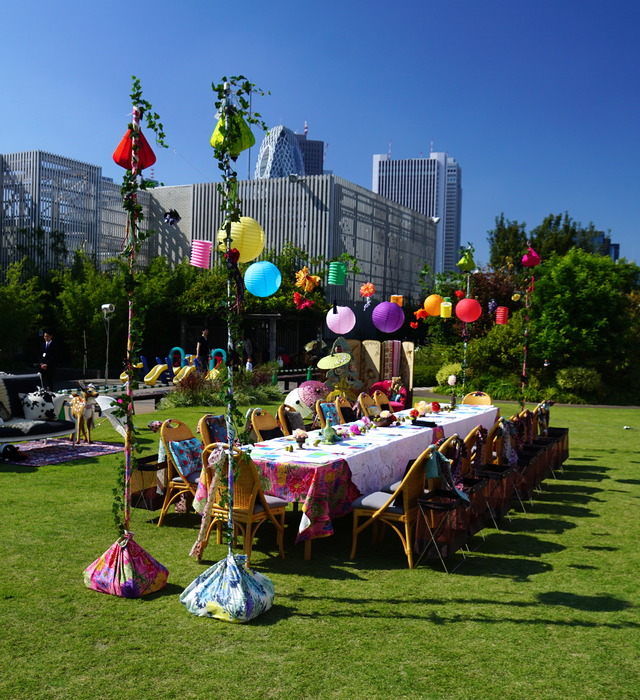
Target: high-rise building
<point x="432" y="186"/>
<point x="312" y="153"/>
<point x="279" y="155"/>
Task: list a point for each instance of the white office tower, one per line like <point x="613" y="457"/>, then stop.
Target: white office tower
<point x="280" y="155"/>
<point x="431" y="186"/>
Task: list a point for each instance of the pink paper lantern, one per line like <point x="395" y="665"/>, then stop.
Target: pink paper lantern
<point x="387" y="317"/>
<point x="502" y="315"/>
<point x="201" y="253"/>
<point x="468" y="310"/>
<point x="341" y="319"/>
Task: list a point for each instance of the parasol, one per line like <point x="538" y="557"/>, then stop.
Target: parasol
<point x="312" y="391"/>
<point x="333" y="361"/>
<point x="294" y="400"/>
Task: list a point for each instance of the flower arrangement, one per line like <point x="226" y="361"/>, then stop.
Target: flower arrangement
<point x="435" y="407"/>
<point x="298" y="434"/>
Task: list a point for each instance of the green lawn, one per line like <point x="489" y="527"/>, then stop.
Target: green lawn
<point x="545" y="608"/>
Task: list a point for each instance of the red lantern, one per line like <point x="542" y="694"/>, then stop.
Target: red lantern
<point x="468" y="310"/>
<point x="122" y="154"/>
<point x="502" y="315"/>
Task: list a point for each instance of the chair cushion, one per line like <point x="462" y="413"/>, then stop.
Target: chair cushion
<point x="5" y="413"/>
<point x="271" y="434"/>
<point x="13" y="384"/>
<point x="375" y="501"/>
<point x="272" y="502"/>
<point x="330" y="413"/>
<point x="187" y="455"/>
<point x="294" y="421"/>
<point x="39" y="405"/>
<point x="21" y="428"/>
<point x="217" y="428"/>
<point x="192" y="478"/>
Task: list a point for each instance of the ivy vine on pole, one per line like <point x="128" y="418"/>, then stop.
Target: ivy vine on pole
<point x="132" y="183"/>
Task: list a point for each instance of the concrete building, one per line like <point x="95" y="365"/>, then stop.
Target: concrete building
<point x="52" y="206"/>
<point x="324" y="215"/>
<point x="432" y="186"/>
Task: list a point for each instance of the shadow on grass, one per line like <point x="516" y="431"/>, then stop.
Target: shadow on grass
<point x="628" y="481"/>
<point x="17" y="468"/>
<point x="590" y="473"/>
<point x="546" y="525"/>
<point x="431" y="609"/>
<point x="562" y="509"/>
<point x="505" y="543"/>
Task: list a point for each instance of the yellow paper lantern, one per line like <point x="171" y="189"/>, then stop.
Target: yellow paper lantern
<point x="432" y="304"/>
<point x="445" y="308"/>
<point x="247" y="237"/>
<point x="397" y="299"/>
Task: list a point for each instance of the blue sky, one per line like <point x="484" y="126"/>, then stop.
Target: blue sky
<point x="537" y="101"/>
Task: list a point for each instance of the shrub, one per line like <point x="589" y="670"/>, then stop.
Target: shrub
<point x="445" y="371"/>
<point x="428" y="359"/>
<point x="579" y="380"/>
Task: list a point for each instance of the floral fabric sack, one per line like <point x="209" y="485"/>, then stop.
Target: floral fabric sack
<point x="126" y="570"/>
<point x="229" y="591"/>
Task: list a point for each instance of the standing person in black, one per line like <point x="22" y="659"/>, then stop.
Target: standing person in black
<point x="48" y="361"/>
<point x="202" y="351"/>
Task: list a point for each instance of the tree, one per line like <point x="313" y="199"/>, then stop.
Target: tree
<point x="507" y="244"/>
<point x="583" y="315"/>
<point x="21" y="305"/>
<point x="559" y="233"/>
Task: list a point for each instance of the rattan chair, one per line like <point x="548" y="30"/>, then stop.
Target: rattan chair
<point x="251" y="506"/>
<point x="345" y="410"/>
<point x="324" y="408"/>
<point x="382" y="400"/>
<point x="264" y="425"/>
<point x="477" y="398"/>
<point x="177" y="484"/>
<point x="368" y="406"/>
<point x="380" y="508"/>
<point x="212" y="429"/>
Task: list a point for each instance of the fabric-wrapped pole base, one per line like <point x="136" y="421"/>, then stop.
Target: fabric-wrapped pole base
<point x="126" y="570"/>
<point x="230" y="591"/>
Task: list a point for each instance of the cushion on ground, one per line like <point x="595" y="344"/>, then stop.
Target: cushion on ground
<point x="20" y="428"/>
<point x="39" y="405"/>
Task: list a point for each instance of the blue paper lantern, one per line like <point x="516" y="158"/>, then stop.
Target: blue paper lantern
<point x="262" y="279"/>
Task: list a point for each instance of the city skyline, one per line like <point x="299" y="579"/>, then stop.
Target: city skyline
<point x="537" y="102"/>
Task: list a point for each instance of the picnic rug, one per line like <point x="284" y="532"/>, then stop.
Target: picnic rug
<point x="38" y="453"/>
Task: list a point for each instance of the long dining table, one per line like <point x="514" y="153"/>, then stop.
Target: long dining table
<point x="326" y="478"/>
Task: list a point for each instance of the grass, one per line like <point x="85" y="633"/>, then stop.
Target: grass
<point x="545" y="608"/>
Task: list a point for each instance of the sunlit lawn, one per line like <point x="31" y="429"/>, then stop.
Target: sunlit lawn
<point x="544" y="608"/>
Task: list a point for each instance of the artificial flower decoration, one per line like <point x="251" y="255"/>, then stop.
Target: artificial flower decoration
<point x="306" y="281"/>
<point x="367" y="291"/>
<point x="413" y="324"/>
<point x="452" y="379"/>
<point x="435" y="407"/>
<point x="516" y="297"/>
<point x="492" y="306"/>
<point x="299" y="434"/>
<point x="171" y="217"/>
<point x="301" y="302"/>
<point x="421" y="313"/>
<point x="414" y="413"/>
<point x="459" y="294"/>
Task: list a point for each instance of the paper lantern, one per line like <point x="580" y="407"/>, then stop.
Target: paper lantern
<point x="337" y="273"/>
<point x="247" y="237"/>
<point x="341" y="319"/>
<point x="445" y="308"/>
<point x="397" y="299"/>
<point x="201" y="254"/>
<point x="387" y="317"/>
<point x="262" y="279"/>
<point x="530" y="258"/>
<point x="468" y="310"/>
<point x="432" y="304"/>
<point x="122" y="154"/>
<point x="466" y="263"/>
<point x="502" y="315"/>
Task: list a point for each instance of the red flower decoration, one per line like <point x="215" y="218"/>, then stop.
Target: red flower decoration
<point x="459" y="294"/>
<point x="421" y="313"/>
<point x="413" y="324"/>
<point x="301" y="302"/>
<point x="414" y="413"/>
<point x="435" y="407"/>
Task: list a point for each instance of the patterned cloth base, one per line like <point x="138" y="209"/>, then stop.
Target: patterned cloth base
<point x="57" y="451"/>
<point x="126" y="570"/>
<point x="229" y="591"/>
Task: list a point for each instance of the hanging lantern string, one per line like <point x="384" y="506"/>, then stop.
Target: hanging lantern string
<point x="525" y="348"/>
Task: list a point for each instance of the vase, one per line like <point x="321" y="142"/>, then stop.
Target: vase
<point x="301" y="442"/>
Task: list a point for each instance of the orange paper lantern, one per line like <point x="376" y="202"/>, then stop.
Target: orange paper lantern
<point x="432" y="304"/>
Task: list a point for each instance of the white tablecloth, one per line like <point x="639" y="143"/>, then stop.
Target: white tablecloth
<point x="380" y="456"/>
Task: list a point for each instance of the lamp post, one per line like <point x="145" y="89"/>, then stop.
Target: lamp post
<point x="107" y="311"/>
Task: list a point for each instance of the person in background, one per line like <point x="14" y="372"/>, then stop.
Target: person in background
<point x="48" y="361"/>
<point x="202" y="351"/>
